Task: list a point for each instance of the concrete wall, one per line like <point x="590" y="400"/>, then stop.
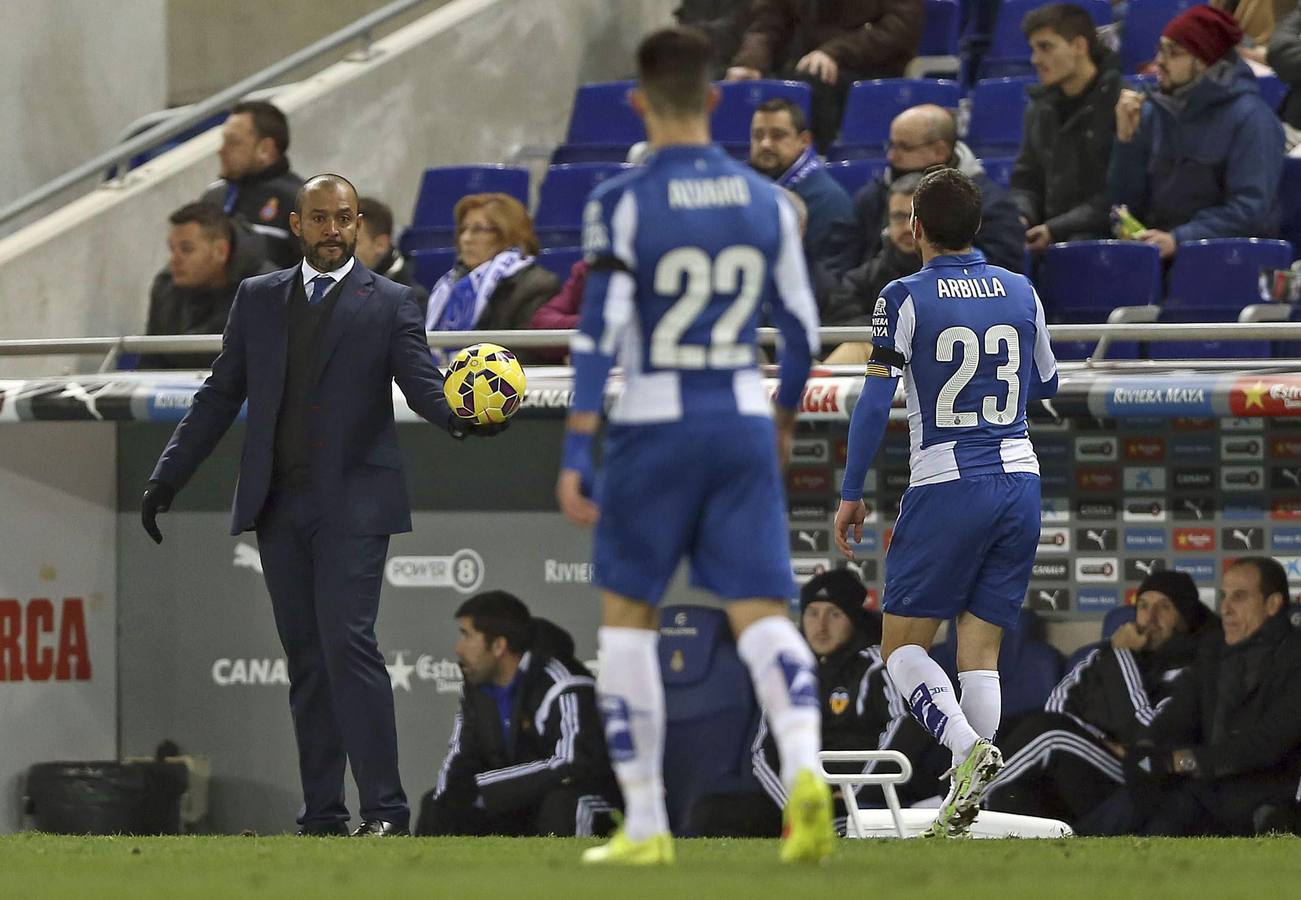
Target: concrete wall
<point x="467" y="83"/>
<point x="212" y="45"/>
<point x="75" y="73"/>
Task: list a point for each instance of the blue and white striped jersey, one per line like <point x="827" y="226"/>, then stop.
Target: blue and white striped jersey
<point x="971" y="343"/>
<point x="686" y="254"/>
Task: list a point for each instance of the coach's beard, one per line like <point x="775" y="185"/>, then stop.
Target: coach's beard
<point x="322" y="263"/>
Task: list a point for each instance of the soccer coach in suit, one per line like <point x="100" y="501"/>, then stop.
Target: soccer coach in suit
<point x="314" y="349"/>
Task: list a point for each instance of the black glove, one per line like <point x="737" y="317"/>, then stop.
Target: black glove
<point x="462" y="428"/>
<point x="158" y="498"/>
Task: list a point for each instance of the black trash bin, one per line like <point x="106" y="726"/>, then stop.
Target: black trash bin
<point x="106" y="797"/>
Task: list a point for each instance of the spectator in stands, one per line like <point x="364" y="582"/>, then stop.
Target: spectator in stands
<point x="834" y="43"/>
<point x="1284" y="58"/>
<point x="781" y="148"/>
<point x="854" y="297"/>
<point x="922" y="137"/>
<point x="1059" y="181"/>
<point x="723" y="20"/>
<point x="209" y="256"/>
<point x="1223" y="756"/>
<point x="256" y="183"/>
<point x="527" y="754"/>
<point x="376" y="250"/>
<point x="1202" y="156"/>
<point x="1063" y="762"/>
<point x="496" y="282"/>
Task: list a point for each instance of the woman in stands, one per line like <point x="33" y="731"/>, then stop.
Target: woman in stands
<point x="496" y="282"/>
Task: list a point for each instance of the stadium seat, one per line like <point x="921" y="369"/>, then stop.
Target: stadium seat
<point x="999" y="168"/>
<point x="1224" y="272"/>
<point x="559" y="260"/>
<point x="853" y="174"/>
<point x="602" y="125"/>
<point x="441" y="188"/>
<point x="431" y="265"/>
<point x="997" y="114"/>
<point x="1144" y="21"/>
<point x="1009" y="52"/>
<point x="937" y="54"/>
<point x="710" y="709"/>
<point x="559" y="217"/>
<point x="1083" y="281"/>
<point x="730" y="123"/>
<point x="1289" y="191"/>
<point x="1114" y="618"/>
<point x="1028" y="667"/>
<point x="1273" y="89"/>
<point x="872" y="105"/>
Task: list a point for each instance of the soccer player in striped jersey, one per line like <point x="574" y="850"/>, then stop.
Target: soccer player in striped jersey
<point x="970" y="342"/>
<point x="685" y="254"/>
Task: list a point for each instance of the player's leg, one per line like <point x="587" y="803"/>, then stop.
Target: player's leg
<point x="982" y="696"/>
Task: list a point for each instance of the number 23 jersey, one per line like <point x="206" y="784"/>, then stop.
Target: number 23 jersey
<point x="969" y="340"/>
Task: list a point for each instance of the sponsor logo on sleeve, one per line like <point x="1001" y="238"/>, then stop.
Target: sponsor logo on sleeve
<point x="880" y="319"/>
<point x="1089" y="568"/>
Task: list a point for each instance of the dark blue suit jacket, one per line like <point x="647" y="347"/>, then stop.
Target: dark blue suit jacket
<point x="375" y="336"/>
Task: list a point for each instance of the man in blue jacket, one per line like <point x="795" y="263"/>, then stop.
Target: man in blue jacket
<point x="1201" y="156"/>
<point x="314" y="349"/>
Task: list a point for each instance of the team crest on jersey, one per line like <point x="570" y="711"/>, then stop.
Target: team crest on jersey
<point x="839" y="701"/>
<point x="269" y="209"/>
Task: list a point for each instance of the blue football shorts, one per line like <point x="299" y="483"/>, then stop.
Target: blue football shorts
<point x="708" y="490"/>
<point x="964" y="546"/>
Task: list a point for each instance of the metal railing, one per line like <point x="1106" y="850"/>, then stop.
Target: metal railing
<point x="113" y="347"/>
<point x="120" y="156"/>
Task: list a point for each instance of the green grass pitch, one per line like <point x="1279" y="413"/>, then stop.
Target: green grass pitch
<point x="286" y="868"/>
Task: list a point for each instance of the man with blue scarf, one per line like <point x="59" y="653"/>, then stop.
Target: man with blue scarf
<point x="781" y="147"/>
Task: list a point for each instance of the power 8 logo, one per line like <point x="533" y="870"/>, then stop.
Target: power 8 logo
<point x="467" y="571"/>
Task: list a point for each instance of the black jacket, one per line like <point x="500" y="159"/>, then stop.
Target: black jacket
<point x="175" y="310"/>
<point x="556" y="735"/>
<point x="1241" y="712"/>
<point x="1115" y="694"/>
<point x="1060" y="175"/>
<point x="852" y="300"/>
<point x="1001" y="237"/>
<point x="264" y="200"/>
<point x="396" y="267"/>
<point x="861" y="710"/>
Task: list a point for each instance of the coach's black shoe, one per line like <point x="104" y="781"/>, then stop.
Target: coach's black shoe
<point x="334" y="829"/>
<point x="379" y="828"/>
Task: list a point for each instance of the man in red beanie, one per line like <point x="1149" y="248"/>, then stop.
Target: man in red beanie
<point x="1201" y="156"/>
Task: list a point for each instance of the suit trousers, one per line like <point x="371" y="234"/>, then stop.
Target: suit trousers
<point x="325" y="585"/>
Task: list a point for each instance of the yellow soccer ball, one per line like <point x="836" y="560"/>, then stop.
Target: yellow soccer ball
<point x="485" y="384"/>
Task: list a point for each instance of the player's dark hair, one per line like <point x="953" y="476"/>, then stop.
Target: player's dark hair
<point x="1273" y="577"/>
<point x="499" y="614"/>
<point x="947" y="203"/>
<point x="316" y="181"/>
<point x="209" y="217"/>
<point x="673" y="67"/>
<point x="1066" y="20"/>
<point x="799" y="121"/>
<point x="268" y="122"/>
<point x="378" y="217"/>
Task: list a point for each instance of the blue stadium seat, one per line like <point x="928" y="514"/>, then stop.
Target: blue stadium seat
<point x="999" y="168"/>
<point x="1289" y="191"/>
<point x="431" y="265"/>
<point x="1223" y="273"/>
<point x="730" y="123"/>
<point x="710" y="708"/>
<point x="853" y="174"/>
<point x="1009" y="52"/>
<point x="602" y="115"/>
<point x="1114" y="618"/>
<point x="940" y="28"/>
<point x="872" y="105"/>
<point x="1028" y="667"/>
<point x="1144" y="22"/>
<point x="440" y="188"/>
<point x="1273" y="89"/>
<point x="1083" y="281"/>
<point x="997" y="114"/>
<point x="559" y="260"/>
<point x="559" y="217"/>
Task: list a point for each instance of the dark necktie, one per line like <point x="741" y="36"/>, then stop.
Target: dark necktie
<point x="321" y="285"/>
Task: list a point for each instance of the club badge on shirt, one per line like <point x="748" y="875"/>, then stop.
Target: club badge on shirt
<point x="269" y="209"/>
<point x="838" y="701"/>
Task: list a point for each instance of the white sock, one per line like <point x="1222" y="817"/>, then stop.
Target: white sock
<point x="982" y="700"/>
<point x="785" y="679"/>
<point x="631" y="694"/>
<point x="930" y="697"/>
